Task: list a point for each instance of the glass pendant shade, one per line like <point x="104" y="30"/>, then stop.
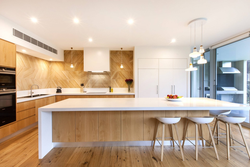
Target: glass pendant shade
<point x="194" y="54"/>
<point x="71" y="66"/>
<point x="202" y="60"/>
<point x="121" y="66"/>
<point x="201" y="49"/>
<point x="191" y="68"/>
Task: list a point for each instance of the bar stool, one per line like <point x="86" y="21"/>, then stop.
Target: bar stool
<point x="170" y="122"/>
<point x="236" y="121"/>
<point x="217" y="113"/>
<point x="199" y="121"/>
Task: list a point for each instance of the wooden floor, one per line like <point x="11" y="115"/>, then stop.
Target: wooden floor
<point x="23" y="151"/>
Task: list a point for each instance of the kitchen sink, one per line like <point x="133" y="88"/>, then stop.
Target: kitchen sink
<point x="37" y="95"/>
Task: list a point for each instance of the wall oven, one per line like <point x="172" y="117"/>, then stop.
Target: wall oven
<point x="7" y="95"/>
<point x="7" y="78"/>
<point x="7" y="107"/>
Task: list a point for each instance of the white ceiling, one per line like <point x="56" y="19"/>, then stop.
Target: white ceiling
<point x="156" y="21"/>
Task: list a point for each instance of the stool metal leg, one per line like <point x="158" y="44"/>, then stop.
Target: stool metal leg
<point x="215" y="149"/>
<point x="228" y="149"/>
<point x="244" y="140"/>
<point x="179" y="142"/>
<point x="196" y="141"/>
<point x="162" y="142"/>
<point x="230" y="140"/>
<point x="157" y="124"/>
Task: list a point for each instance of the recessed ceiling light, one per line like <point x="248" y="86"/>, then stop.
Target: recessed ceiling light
<point x="130" y="21"/>
<point x="76" y="20"/>
<point x="24" y="51"/>
<point x="50" y="59"/>
<point x="90" y="39"/>
<point x="33" y="19"/>
<point x="173" y="40"/>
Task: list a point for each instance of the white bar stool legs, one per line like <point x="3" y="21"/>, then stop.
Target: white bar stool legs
<point x="170" y="122"/>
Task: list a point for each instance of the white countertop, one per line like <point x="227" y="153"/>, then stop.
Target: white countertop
<point x="127" y="104"/>
<point x="19" y="100"/>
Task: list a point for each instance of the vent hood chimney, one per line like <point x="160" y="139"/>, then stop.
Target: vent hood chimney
<point x="226" y="68"/>
<point x="96" y="59"/>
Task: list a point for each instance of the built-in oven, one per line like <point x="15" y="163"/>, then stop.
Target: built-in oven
<point x="7" y="78"/>
<point x="7" y="107"/>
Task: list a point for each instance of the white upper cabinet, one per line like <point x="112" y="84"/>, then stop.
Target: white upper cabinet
<point x="148" y="63"/>
<point x="96" y="59"/>
<point x="173" y="63"/>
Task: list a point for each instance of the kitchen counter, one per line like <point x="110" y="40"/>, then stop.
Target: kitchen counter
<point x="126" y="104"/>
<point x="106" y="121"/>
<point x="20" y="100"/>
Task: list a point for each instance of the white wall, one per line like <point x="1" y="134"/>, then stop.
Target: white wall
<point x="158" y="52"/>
<point x="6" y="33"/>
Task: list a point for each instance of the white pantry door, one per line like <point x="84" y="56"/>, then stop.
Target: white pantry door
<point x="166" y="82"/>
<point x="148" y="83"/>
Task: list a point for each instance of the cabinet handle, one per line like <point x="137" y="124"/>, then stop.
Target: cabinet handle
<point x="171" y="89"/>
<point x="156" y="89"/>
<point x="174" y="89"/>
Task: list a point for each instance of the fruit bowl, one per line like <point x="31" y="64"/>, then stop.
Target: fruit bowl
<point x="173" y="97"/>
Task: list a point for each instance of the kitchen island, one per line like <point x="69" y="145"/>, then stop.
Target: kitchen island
<point x="130" y="121"/>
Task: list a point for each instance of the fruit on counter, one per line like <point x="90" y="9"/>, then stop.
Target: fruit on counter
<point x="174" y="97"/>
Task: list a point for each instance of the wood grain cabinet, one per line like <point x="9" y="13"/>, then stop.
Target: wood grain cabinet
<point x="7" y="54"/>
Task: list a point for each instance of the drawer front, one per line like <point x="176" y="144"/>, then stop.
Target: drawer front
<point x="26" y="122"/>
<point x="8" y="130"/>
<point x="25" y="113"/>
<point x="26" y="105"/>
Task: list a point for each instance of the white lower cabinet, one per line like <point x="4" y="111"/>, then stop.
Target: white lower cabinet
<point x="167" y="79"/>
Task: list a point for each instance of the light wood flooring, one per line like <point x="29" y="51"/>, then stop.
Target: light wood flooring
<point x="23" y="151"/>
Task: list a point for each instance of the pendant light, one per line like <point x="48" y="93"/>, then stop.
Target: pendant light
<point x="194" y="54"/>
<point x="71" y="66"/>
<point x="191" y="68"/>
<point x="121" y="59"/>
<point x="202" y="60"/>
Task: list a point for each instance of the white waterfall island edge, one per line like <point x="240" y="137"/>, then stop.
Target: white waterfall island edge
<point x="120" y="104"/>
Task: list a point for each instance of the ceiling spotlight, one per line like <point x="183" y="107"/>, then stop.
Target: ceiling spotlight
<point x="50" y="59"/>
<point x="33" y="19"/>
<point x="90" y="39"/>
<point x="130" y="21"/>
<point x="24" y="51"/>
<point x="76" y="20"/>
<point x="173" y="40"/>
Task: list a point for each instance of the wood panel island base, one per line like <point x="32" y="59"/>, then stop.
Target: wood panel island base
<point x="76" y="122"/>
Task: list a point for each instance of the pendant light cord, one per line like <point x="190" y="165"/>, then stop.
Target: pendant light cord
<point x="71" y="55"/>
<point x="121" y="55"/>
<point x="194" y="34"/>
<point x="201" y="33"/>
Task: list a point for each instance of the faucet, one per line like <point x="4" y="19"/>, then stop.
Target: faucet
<point x="31" y="93"/>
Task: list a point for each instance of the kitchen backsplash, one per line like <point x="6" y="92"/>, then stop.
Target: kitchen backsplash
<point x="32" y="70"/>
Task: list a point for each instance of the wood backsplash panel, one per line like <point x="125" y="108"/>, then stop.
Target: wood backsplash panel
<point x="118" y="75"/>
<point x="31" y="70"/>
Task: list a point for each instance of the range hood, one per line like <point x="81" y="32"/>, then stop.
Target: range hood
<point x="226" y="68"/>
<point x="96" y="60"/>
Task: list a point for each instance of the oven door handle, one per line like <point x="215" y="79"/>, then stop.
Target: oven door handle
<point x="7" y="92"/>
<point x="8" y="72"/>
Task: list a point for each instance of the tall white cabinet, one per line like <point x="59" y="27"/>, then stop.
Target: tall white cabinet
<point x="159" y="77"/>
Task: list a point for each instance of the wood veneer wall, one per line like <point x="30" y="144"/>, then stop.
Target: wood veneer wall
<point x="32" y="70"/>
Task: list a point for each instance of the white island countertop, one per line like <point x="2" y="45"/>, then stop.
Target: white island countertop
<point x="132" y="104"/>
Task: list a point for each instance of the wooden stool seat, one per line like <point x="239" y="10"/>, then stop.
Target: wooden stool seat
<point x="170" y="122"/>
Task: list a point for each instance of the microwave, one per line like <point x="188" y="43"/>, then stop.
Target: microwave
<point x="7" y="78"/>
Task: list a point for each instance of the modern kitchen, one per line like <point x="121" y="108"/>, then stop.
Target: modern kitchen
<point x="91" y="83"/>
